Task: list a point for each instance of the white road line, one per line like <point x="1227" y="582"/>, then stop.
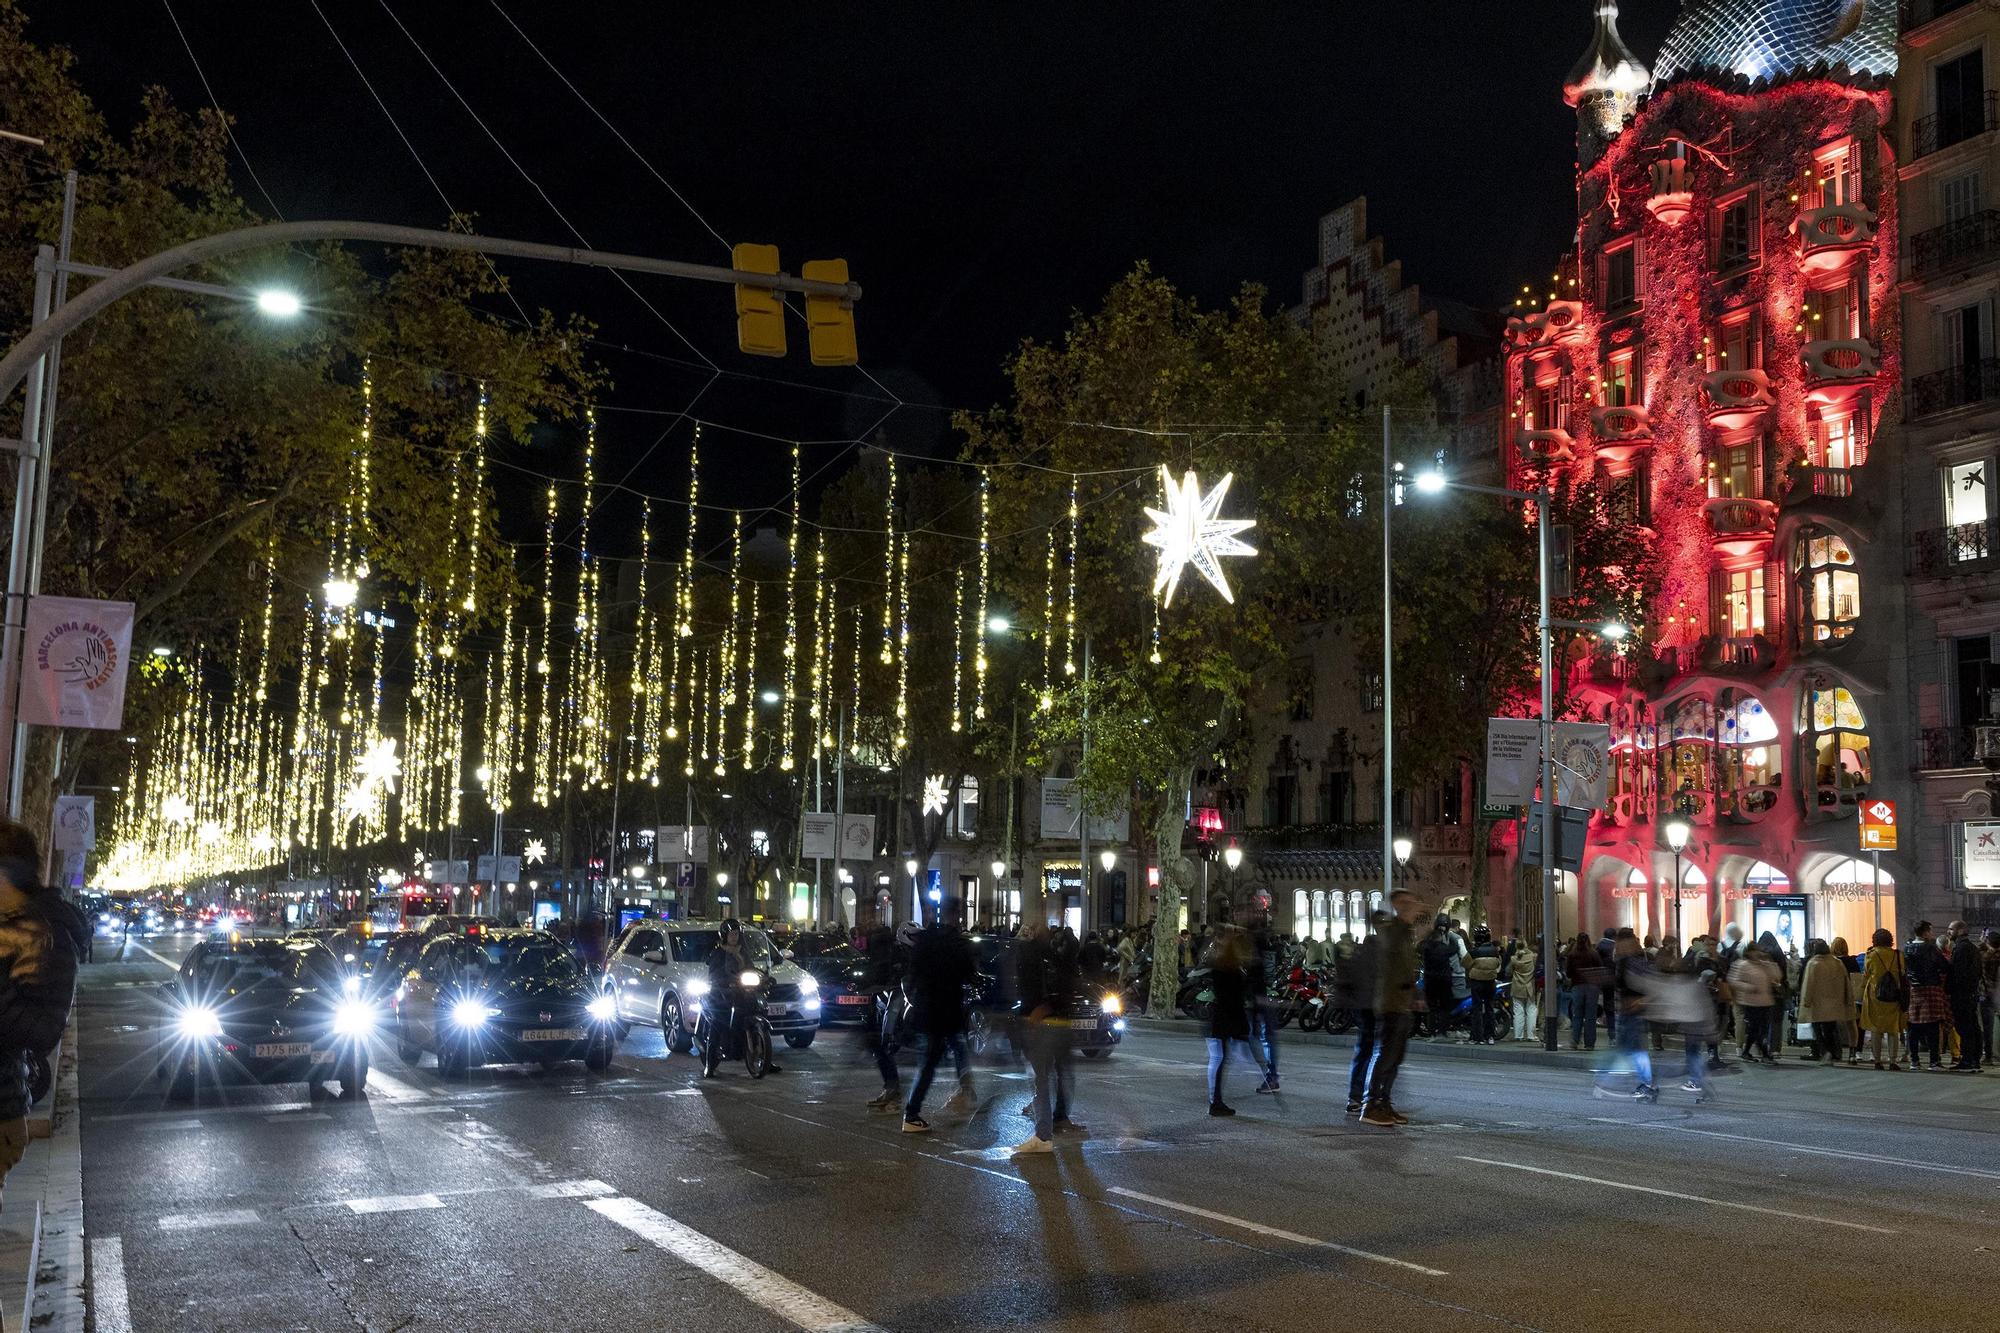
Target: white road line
<point x="395" y="1203"/>
<point x="110" y="1307"/>
<point x="778" y="1294"/>
<point x="1687" y="1198"/>
<point x="232" y="1217"/>
<point x="393" y="1089"/>
<point x="293" y="1117"/>
<point x="169" y="963"/>
<point x="1276" y="1233"/>
<point x="571" y="1189"/>
<point x="1804" y="1148"/>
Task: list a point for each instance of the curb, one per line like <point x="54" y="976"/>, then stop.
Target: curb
<point x="55" y="1290"/>
<point x="1504" y="1054"/>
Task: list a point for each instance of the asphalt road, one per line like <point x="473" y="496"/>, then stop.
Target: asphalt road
<point x="647" y="1198"/>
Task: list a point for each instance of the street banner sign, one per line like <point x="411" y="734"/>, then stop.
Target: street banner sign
<point x="1061" y="810"/>
<point x="681" y="842"/>
<point x="77" y="652"/>
<point x="1513" y="752"/>
<point x="827" y="836"/>
<point x="447" y="872"/>
<point x="1583" y="764"/>
<point x="1878" y="825"/>
<point x="509" y="870"/>
<point x="75" y="823"/>
<point x="1981" y="856"/>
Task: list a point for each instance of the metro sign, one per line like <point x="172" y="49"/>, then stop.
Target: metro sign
<point x="1878" y="825"/>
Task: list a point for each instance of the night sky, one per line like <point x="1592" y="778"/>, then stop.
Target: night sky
<point x="985" y="169"/>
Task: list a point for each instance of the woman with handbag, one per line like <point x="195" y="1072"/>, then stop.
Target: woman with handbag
<point x="1884" y="992"/>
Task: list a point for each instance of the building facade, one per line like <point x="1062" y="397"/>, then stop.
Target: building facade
<point x="1949" y="114"/>
<point x="1721" y="355"/>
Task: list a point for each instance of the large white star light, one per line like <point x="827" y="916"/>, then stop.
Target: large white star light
<point x="935" y="795"/>
<point x="379" y="763"/>
<point x="1188" y="532"/>
<point x="535" y="852"/>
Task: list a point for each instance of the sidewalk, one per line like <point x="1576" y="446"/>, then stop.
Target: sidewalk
<point x="41" y="1231"/>
<point x="1507" y="1052"/>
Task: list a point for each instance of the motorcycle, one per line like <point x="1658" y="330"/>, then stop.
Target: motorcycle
<point x="1460" y="1018"/>
<point x="733" y="1023"/>
<point x="1196" y="996"/>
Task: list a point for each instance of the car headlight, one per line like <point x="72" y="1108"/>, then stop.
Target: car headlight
<point x="200" y="1021"/>
<point x="809" y="985"/>
<point x="812" y="1006"/>
<point x="603" y="1008"/>
<point x="1113" y="1005"/>
<point x="696" y="989"/>
<point x="751" y="977"/>
<point x="471" y="1013"/>
<point x="352" y="1018"/>
<point x="351" y="984"/>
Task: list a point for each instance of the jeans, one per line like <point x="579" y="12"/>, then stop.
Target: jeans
<point x="1394" y="1041"/>
<point x="1583" y="1019"/>
<point x="1965" y="1017"/>
<point x="1525" y="1015"/>
<point x="1482" y="1009"/>
<point x="935" y="1047"/>
<point x="1367" y="1034"/>
<point x="1631" y="1046"/>
<point x="1923" y="1036"/>
<point x="1048" y="1055"/>
<point x="885" y="1063"/>
<point x="1263" y="1029"/>
<point x="1697" y="1055"/>
<point x="1218" y="1060"/>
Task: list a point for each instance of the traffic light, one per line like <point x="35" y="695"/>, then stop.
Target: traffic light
<point x="829" y="319"/>
<point x="760" y="311"/>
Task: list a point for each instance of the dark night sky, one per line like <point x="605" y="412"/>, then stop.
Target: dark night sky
<point x="985" y="169"/>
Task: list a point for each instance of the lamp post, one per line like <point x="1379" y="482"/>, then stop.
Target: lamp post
<point x="999" y="909"/>
<point x="1232" y="857"/>
<point x="1403" y="847"/>
<point x="721" y="883"/>
<point x="1677" y="830"/>
<point x="916" y="896"/>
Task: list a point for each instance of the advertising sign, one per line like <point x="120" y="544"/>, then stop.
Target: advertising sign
<point x="509" y="870"/>
<point x="1582" y="762"/>
<point x="1787" y="916"/>
<point x="826" y="836"/>
<point x="75" y="823"/>
<point x="74" y="673"/>
<point x="1982" y="856"/>
<point x="1513" y="752"/>
<point x="1060" y="810"/>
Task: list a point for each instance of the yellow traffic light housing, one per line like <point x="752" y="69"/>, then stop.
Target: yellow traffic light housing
<point x="829" y="319"/>
<point x="760" y="311"/>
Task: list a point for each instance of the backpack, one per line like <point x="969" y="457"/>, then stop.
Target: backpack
<point x="1889" y="989"/>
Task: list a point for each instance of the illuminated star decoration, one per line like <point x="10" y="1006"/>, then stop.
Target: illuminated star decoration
<point x="1189" y="533"/>
<point x="935" y="795"/>
<point x="359" y="802"/>
<point x="535" y="852"/>
<point x="379" y="763"/>
<point x="176" y="809"/>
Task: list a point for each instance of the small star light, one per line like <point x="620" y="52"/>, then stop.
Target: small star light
<point x="359" y="802"/>
<point x="379" y="763"/>
<point x="176" y="809"/>
<point x="535" y="852"/>
<point x="935" y="795"/>
<point x="1189" y="533"/>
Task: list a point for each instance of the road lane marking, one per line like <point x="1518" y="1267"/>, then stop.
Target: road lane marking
<point x="1687" y="1198"/>
<point x="1804" y="1148"/>
<point x="293" y="1117"/>
<point x="780" y="1295"/>
<point x="110" y="1307"/>
<point x="232" y="1217"/>
<point x="161" y="958"/>
<point x="395" y="1203"/>
<point x="1276" y="1233"/>
<point x="570" y="1189"/>
<point x="393" y="1089"/>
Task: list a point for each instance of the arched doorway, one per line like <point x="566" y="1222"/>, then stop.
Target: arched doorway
<point x="1844" y="903"/>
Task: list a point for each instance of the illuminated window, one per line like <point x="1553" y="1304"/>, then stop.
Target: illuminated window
<point x="1736" y="472"/>
<point x="1621" y="381"/>
<point x="1547" y="409"/>
<point x="1736" y="232"/>
<point x="1829" y="590"/>
<point x="1837" y="442"/>
<point x="1834" y="312"/>
<point x="1301" y="913"/>
<point x="1836" y="176"/>
<point x="1833" y="734"/>
<point x="1739" y="347"/>
<point x="1965" y="493"/>
<point x="1687" y="755"/>
<point x="1740" y="611"/>
<point x="1747" y="744"/>
<point x="1621" y="276"/>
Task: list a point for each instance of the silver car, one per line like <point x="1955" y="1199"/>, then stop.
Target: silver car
<point x="654" y="964"/>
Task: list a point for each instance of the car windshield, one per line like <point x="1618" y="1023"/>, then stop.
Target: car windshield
<point x="522" y="958"/>
<point x="694" y="946"/>
<point x="240" y="970"/>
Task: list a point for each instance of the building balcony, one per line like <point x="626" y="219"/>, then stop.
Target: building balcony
<point x="1673" y="193"/>
<point x="1948" y="747"/>
<point x="1312" y="837"/>
<point x="1736" y="398"/>
<point x="1740" y="525"/>
<point x="1565" y="322"/>
<point x="1544" y="446"/>
<point x="1954" y="386"/>
<point x="1818" y="487"/>
<point x="1941" y="129"/>
<point x="1944" y="553"/>
<point x="1916" y="13"/>
<point x="1955" y="246"/>
<point x="1832" y="235"/>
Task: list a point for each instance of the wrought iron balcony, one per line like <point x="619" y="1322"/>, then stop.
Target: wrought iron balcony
<point x="1947" y="747"/>
<point x="1942" y="129"/>
<point x="1955" y="245"/>
<point x="1916" y="13"/>
<point x="1954" y="386"/>
<point x="1968" y="548"/>
<point x="1818" y="485"/>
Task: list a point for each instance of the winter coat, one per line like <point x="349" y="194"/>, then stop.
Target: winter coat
<point x="1438" y="950"/>
<point x="1354" y="978"/>
<point x="1962" y="979"/>
<point x="1229" y="1015"/>
<point x="1521" y="973"/>
<point x="1755" y="981"/>
<point x="1483" y="964"/>
<point x="1823" y="994"/>
<point x="1881" y="1015"/>
<point x="28" y="1021"/>
<point x="1396" y="968"/>
<point x="941" y="967"/>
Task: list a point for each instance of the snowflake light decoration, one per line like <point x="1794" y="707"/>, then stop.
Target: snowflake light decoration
<point x="359" y="802"/>
<point x="535" y="852"/>
<point x="1187" y="532"/>
<point x="176" y="809"/>
<point x="380" y="763"/>
<point x="935" y="795"/>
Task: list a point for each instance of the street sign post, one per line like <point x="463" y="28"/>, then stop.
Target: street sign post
<point x="1878" y="835"/>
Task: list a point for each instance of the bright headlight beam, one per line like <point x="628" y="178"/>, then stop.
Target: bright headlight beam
<point x="471" y="1013"/>
<point x="354" y="1019"/>
<point x="200" y="1021"/>
<point x="602" y="1008"/>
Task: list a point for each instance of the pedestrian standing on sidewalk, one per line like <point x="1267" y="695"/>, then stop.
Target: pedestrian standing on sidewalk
<point x="1926" y="966"/>
<point x="32" y="1009"/>
<point x="1962" y="988"/>
<point x="1264" y="967"/>
<point x="1885" y="998"/>
<point x="1521" y="978"/>
<point x="1726" y="959"/>
<point x="1395" y="996"/>
<point x="1823" y="1002"/>
<point x="1782" y="991"/>
<point x="1354" y="986"/>
<point x="1851" y="1027"/>
<point x="941" y="967"/>
<point x="1482" y="979"/>
<point x="1229" y="1013"/>
<point x="1438" y="951"/>
<point x="1754" y="980"/>
<point x="1588" y="972"/>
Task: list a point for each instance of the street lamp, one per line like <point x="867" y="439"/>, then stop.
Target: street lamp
<point x="279" y="303"/>
<point x="999" y="869"/>
<point x="1108" y="859"/>
<point x="1403" y="847"/>
<point x="341" y="593"/>
<point x="998" y="624"/>
<point x="1677" y="831"/>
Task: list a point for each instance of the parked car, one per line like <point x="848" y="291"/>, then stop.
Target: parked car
<point x="848" y="993"/>
<point x="652" y="964"/>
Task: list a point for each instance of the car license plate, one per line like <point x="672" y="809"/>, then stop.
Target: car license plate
<point x="1083" y="1024"/>
<point x="279" y="1050"/>
<point x="552" y="1034"/>
<point x="850" y="999"/>
<point x="779" y="1009"/>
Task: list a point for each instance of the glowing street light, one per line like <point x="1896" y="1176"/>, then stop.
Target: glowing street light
<point x="279" y="303"/>
<point x="999" y="869"/>
<point x="1232" y="856"/>
<point x="1432" y="482"/>
<point x="1403" y="847"/>
<point x="1108" y="859"/>
<point x="341" y="593"/>
<point x="1677" y="831"/>
<point x="998" y="624"/>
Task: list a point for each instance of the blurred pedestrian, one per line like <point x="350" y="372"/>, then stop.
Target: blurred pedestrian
<point x="1726" y="958"/>
<point x="1522" y="975"/>
<point x="1823" y="1001"/>
<point x="1631" y="975"/>
<point x="1264" y="969"/>
<point x="34" y="1001"/>
<point x="1354" y="990"/>
<point x="1045" y="1008"/>
<point x="1885" y="997"/>
<point x="1989" y="990"/>
<point x="1784" y="985"/>
<point x="880" y="978"/>
<point x="1754" y="980"/>
<point x="1587" y="971"/>
<point x="1926" y="966"/>
<point x="1962" y="990"/>
<point x="941" y="967"/>
<point x="1128" y="959"/>
<point x="1395" y="995"/>
<point x="1230" y="970"/>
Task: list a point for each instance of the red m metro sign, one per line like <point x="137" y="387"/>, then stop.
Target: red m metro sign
<point x="1878" y="825"/>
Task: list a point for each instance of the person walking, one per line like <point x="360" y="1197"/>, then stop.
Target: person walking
<point x="1395" y="995"/>
<point x="1044" y="1008"/>
<point x="1885" y="998"/>
<point x="1726" y="958"/>
<point x="1354" y="989"/>
<point x="1823" y="1002"/>
<point x="1962" y="990"/>
<point x="882" y="976"/>
<point x="1926" y="966"/>
<point x="1587" y="974"/>
<point x="1229" y="1013"/>
<point x="1754" y="981"/>
<point x="27" y="946"/>
<point x="1482" y="979"/>
<point x="941" y="967"/>
<point x="1262" y="970"/>
<point x="1128" y="959"/>
<point x="1521" y="979"/>
<point x="1631" y="978"/>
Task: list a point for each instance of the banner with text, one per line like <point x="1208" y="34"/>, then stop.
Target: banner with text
<point x="1513" y="754"/>
<point x="681" y="842"/>
<point x="509" y="870"/>
<point x="1060" y="812"/>
<point x="1981" y="856"/>
<point x="1583" y="764"/>
<point x="75" y="823"/>
<point x="74" y="672"/>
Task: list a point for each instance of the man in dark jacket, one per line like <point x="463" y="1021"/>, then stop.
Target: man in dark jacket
<point x="1437" y="951"/>
<point x="1395" y="993"/>
<point x="1259" y="977"/>
<point x="1354" y="991"/>
<point x="1961" y="988"/>
<point x="879" y="949"/>
<point x="941" y="967"/>
<point x="34" y="1005"/>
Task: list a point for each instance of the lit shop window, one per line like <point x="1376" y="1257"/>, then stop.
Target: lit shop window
<point x="1747" y="740"/>
<point x="1829" y="588"/>
<point x="1965" y="493"/>
<point x="1834" y="734"/>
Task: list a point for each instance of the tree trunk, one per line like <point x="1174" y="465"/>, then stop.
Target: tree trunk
<point x="1175" y="878"/>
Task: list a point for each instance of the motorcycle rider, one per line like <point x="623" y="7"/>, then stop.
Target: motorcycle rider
<point x="1482" y="978"/>
<point x="728" y="998"/>
<point x="941" y="967"/>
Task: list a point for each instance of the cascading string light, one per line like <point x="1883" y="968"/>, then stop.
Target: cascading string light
<point x="980" y="626"/>
<point x="684" y="584"/>
<point x="1069" y="616"/>
<point x="788" y="703"/>
<point x="548" y="749"/>
<point x="725" y="674"/>
<point x="1048" y="700"/>
<point x="816" y="706"/>
<point x="750" y="690"/>
<point x="903" y="647"/>
<point x="889" y="568"/>
<point x="957" y="646"/>
<point x="854" y="707"/>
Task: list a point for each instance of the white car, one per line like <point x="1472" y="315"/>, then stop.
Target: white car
<point x="656" y="967"/>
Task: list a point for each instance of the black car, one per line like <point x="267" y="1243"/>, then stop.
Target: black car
<point x="847" y="990"/>
<point x="263" y="1011"/>
<point x="1096" y="1013"/>
<point x="502" y="997"/>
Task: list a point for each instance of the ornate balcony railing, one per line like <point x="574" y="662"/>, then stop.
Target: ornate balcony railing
<point x="1954" y="386"/>
<point x="1955" y="245"/>
<point x="1968" y="548"/>
<point x="1956" y="124"/>
<point x="1947" y="747"/>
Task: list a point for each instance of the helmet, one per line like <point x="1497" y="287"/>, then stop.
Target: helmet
<point x="1481" y="935"/>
